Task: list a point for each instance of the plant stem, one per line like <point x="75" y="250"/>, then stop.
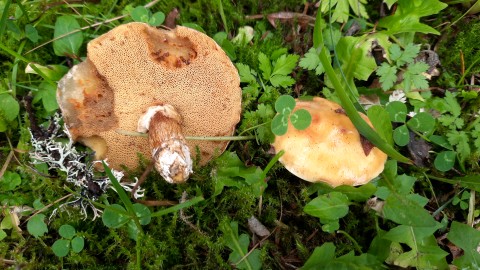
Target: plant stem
<point x="355" y="243"/>
<point x="193" y="138"/>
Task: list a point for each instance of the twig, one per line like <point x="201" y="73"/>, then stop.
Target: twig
<point x="185" y="218"/>
<point x="48" y="206"/>
<point x="5" y="165"/>
<point x="255" y="246"/>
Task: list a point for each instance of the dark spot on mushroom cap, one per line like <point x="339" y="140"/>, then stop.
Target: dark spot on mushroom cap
<point x="366" y="145"/>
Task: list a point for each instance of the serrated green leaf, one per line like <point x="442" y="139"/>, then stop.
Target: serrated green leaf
<point x="36" y="225"/>
<point x="10" y="181"/>
<point x="388" y="76"/>
<point x="77" y="244"/>
<point x="301" y="119"/>
<point x="66" y="44"/>
<point x="265" y="66"/>
<point x="61" y="247"/>
<point x="460" y="140"/>
<point x="407" y="16"/>
<point x="310" y="60"/>
<point x="67" y="231"/>
<point x="285" y="64"/>
<point x="452" y="104"/>
<point x="281" y="80"/>
<point x="247" y="75"/>
<point x="401" y="135"/>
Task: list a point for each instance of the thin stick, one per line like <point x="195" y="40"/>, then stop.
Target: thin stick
<point x="193" y="138"/>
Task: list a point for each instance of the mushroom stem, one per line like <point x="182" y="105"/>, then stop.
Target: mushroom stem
<point x="170" y="152"/>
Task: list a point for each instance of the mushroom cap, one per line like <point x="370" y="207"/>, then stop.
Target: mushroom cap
<point x="330" y="149"/>
<point x="135" y="66"/>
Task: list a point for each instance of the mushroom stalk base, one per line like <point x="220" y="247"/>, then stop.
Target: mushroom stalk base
<point x="170" y="152"/>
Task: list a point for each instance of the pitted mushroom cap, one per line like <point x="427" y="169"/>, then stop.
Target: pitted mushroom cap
<point x="331" y="149"/>
<point x="135" y="66"/>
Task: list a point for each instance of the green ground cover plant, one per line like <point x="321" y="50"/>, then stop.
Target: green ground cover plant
<point x="410" y="65"/>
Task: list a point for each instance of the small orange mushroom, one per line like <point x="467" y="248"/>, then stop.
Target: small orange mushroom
<point x="167" y="82"/>
<point x="330" y="150"/>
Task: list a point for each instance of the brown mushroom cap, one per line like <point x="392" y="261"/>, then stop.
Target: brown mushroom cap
<point x="135" y="66"/>
<point x="330" y="150"/>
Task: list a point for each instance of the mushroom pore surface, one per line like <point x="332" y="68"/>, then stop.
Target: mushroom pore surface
<point x="135" y="66"/>
<point x="330" y="150"/>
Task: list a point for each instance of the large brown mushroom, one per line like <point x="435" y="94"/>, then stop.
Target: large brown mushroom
<point x="166" y="82"/>
<point x="330" y="150"/>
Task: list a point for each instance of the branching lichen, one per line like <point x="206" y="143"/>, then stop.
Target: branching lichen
<point x="47" y="148"/>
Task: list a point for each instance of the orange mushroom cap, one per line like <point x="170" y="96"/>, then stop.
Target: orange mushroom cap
<point x="135" y="66"/>
<point x="330" y="150"/>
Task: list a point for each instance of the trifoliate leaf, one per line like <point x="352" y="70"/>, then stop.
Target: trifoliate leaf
<point x="388" y="75"/>
<point x="397" y="111"/>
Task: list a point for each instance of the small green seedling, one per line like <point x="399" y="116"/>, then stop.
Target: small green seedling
<point x="70" y="241"/>
<point x="462" y="200"/>
<point x="142" y="14"/>
<point x="240" y="256"/>
<point x="284" y="106"/>
<point x="116" y="216"/>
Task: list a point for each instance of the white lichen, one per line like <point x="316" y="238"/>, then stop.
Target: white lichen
<point x="49" y="149"/>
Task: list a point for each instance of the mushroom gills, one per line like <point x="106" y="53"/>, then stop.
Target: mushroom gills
<point x="170" y="152"/>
